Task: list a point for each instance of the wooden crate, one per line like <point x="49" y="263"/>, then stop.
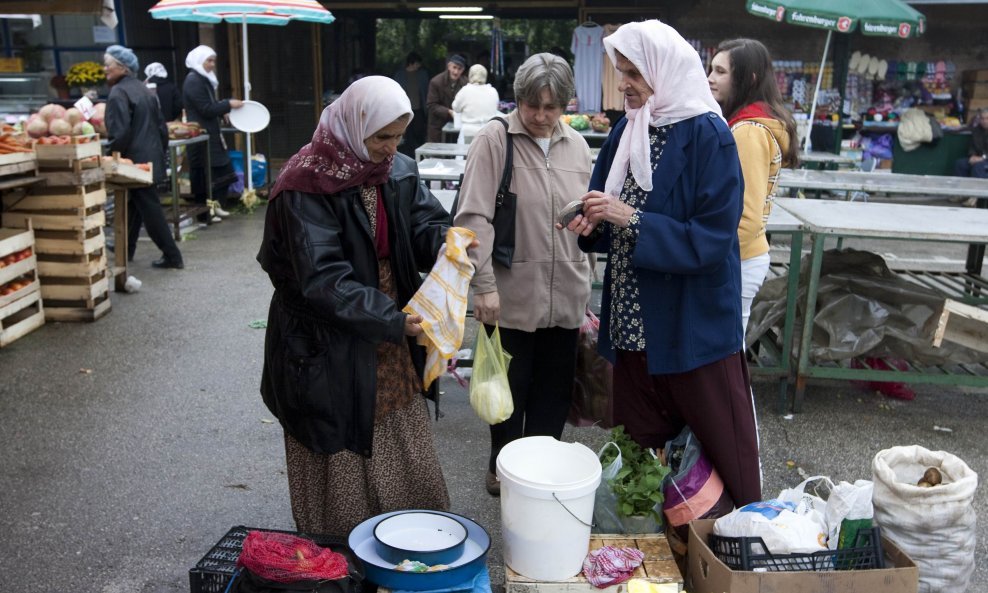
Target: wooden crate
<point x="71" y="266"/>
<point x="658" y="567"/>
<point x="13" y="241"/>
<point x="126" y="175"/>
<point x="70" y="242"/>
<point x="76" y="290"/>
<point x="76" y="219"/>
<point x="20" y="317"/>
<point x="63" y="155"/>
<point x="71" y="177"/>
<point x="18" y="162"/>
<point x="44" y="198"/>
<point x="90" y="310"/>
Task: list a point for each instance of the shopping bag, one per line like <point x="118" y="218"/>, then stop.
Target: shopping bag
<point x="490" y="394"/>
<point x="593" y="397"/>
<point x="693" y="489"/>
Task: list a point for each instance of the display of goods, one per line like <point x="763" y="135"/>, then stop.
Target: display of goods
<point x="55" y="120"/>
<point x="16" y="284"/>
<point x="600" y="123"/>
<point x="12" y="140"/>
<point x="178" y="130"/>
<point x="15" y="257"/>
<point x="126" y="161"/>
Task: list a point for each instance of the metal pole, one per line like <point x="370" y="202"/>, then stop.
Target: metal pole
<point x="816" y="93"/>
<point x="247" y="167"/>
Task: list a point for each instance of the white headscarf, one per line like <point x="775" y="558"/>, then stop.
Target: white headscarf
<point x="673" y="69"/>
<point x="366" y="106"/>
<point x="195" y="60"/>
<point x="155" y="69"/>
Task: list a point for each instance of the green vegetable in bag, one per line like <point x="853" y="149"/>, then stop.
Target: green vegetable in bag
<point x="490" y="394"/>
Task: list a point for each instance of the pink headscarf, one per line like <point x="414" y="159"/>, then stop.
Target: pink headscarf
<point x="673" y="69"/>
<point x="337" y="158"/>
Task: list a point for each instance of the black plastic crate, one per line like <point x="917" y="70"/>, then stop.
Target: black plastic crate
<point x="750" y="553"/>
<point x="213" y="572"/>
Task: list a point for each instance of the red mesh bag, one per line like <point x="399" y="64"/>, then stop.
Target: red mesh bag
<point x="286" y="558"/>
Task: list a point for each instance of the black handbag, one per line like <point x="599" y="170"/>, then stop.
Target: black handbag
<point x="505" y="207"/>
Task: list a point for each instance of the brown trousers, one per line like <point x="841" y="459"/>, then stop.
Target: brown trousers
<point x="713" y="400"/>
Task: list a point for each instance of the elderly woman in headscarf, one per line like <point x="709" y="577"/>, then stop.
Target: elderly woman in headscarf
<point x="349" y="228"/>
<point x="665" y="202"/>
<point x="167" y="91"/>
<point x="476" y="103"/>
<point x="137" y="131"/>
<point x="202" y="107"/>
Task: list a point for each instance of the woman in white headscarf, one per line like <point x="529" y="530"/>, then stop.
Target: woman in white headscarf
<point x="169" y="97"/>
<point x="203" y="108"/>
<point x="665" y="204"/>
<point x="349" y="228"/>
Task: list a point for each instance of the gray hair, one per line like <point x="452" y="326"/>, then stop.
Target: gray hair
<point x="478" y="74"/>
<point x="544" y="71"/>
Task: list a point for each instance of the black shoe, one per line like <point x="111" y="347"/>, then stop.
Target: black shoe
<point x="164" y="262"/>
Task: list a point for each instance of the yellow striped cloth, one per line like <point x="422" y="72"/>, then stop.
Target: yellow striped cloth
<point x="442" y="303"/>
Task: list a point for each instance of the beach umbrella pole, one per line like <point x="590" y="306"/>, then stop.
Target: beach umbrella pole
<point x="816" y="93"/>
<point x="247" y="163"/>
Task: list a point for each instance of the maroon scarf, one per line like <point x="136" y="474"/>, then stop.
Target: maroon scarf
<point x="327" y="166"/>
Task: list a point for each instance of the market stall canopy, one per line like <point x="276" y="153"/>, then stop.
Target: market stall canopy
<point x="244" y="12"/>
<point x="883" y="18"/>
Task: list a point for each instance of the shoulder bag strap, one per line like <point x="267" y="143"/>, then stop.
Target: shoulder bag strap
<point x="502" y="189"/>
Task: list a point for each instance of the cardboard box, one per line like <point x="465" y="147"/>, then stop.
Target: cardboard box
<point x="707" y="574"/>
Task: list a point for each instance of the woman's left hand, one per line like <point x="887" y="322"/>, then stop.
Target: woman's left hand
<point x="598" y="207"/>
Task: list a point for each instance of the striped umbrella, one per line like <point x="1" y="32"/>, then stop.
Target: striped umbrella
<point x="245" y="12"/>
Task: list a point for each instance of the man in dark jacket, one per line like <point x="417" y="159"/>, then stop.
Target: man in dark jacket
<point x="415" y="80"/>
<point x="442" y="90"/>
<point x="975" y="164"/>
<point x="137" y="131"/>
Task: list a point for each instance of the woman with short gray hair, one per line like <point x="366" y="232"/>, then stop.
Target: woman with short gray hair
<point x="545" y="71"/>
<point x="538" y="295"/>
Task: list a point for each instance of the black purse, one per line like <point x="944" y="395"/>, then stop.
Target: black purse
<point x="505" y="207"/>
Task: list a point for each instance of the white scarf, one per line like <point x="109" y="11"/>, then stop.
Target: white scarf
<point x="155" y="69"/>
<point x="673" y="69"/>
<point x="366" y="106"/>
<point x="195" y="60"/>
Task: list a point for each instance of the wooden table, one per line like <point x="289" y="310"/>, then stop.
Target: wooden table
<point x="823" y="219"/>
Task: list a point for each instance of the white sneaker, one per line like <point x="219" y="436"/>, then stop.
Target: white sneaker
<point x="215" y="219"/>
<point x="220" y="212"/>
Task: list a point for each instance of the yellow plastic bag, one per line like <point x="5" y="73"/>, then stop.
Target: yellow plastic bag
<point x="490" y="394"/>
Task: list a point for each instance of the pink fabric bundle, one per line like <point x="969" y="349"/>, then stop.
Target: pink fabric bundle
<point x="609" y="565"/>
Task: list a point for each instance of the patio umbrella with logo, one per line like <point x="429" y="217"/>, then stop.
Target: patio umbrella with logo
<point x="245" y="12"/>
<point x="882" y="18"/>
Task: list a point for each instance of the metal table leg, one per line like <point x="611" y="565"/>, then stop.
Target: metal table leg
<point x="792" y="290"/>
<point x="806" y="339"/>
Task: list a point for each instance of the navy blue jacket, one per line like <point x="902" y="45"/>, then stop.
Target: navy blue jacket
<point x="687" y="255"/>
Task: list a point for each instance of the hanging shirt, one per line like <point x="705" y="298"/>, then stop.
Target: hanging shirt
<point x="613" y="98"/>
<point x="586" y="47"/>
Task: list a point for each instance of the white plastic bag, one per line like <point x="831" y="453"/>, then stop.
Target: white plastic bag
<point x="605" y="517"/>
<point x="933" y="526"/>
<point x="847" y="501"/>
<point x="785" y="527"/>
<point x="814" y="497"/>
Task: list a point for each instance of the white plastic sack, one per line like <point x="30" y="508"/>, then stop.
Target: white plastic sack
<point x="785" y="527"/>
<point x="933" y="526"/>
<point x="847" y="501"/>
<point x="605" y="513"/>
<point x="813" y="501"/>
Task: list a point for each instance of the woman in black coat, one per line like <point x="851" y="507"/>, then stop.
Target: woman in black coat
<point x="202" y="107"/>
<point x="350" y="228"/>
<point x="169" y="97"/>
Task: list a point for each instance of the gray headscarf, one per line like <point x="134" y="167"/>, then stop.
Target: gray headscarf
<point x="126" y="57"/>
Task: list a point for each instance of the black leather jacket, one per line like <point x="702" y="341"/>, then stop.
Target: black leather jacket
<point x="327" y="316"/>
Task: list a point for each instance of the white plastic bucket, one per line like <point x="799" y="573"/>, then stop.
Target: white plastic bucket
<point x="547" y="495"/>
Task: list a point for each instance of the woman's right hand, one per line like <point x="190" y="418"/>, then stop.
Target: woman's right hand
<point x="413" y="325"/>
<point x="236" y="103"/>
<point x="487" y="307"/>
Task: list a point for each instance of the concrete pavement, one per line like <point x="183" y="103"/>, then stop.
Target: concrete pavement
<point x="131" y="445"/>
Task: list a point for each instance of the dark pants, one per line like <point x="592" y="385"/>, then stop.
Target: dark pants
<point x="145" y="207"/>
<point x="541" y="379"/>
<point x="963" y="168"/>
<point x="713" y="400"/>
<point x="223" y="177"/>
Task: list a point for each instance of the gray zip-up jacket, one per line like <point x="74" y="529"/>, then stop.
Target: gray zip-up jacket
<point x="548" y="284"/>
